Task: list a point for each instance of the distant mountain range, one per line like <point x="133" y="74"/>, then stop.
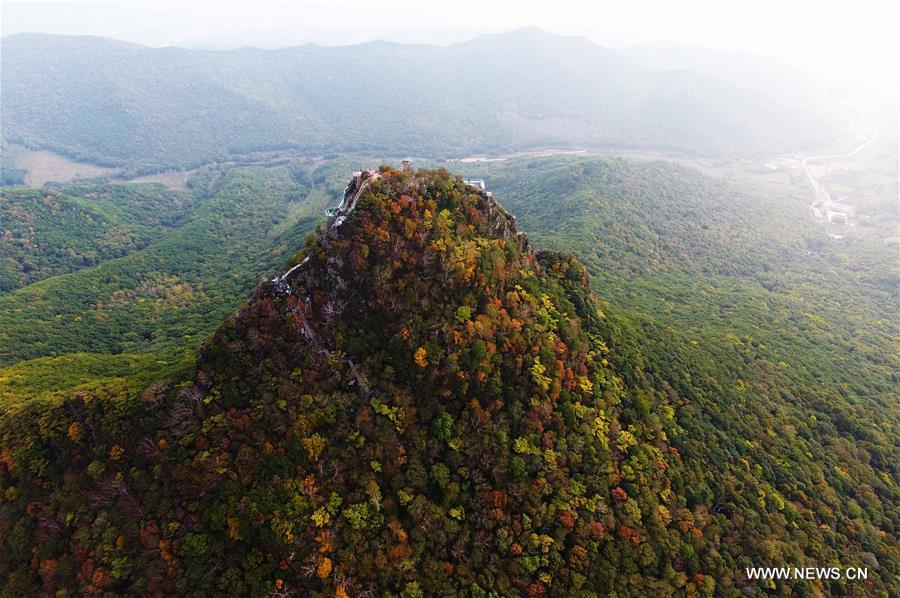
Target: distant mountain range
<point x="118" y="103"/>
<point x="791" y="86"/>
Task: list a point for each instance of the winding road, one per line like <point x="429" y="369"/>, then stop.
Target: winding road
<point x="822" y="196"/>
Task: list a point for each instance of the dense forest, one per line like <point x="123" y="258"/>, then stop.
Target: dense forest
<point x="586" y="321"/>
<point x="430" y="405"/>
<point x="779" y="344"/>
<point x="722" y="264"/>
<point x="170" y="292"/>
<point x="123" y="320"/>
<point x="48" y="232"/>
<point x="119" y="104"/>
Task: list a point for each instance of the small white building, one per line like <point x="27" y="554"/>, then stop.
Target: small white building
<point x="837" y="217"/>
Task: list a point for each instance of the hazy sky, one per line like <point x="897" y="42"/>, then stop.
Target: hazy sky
<point x="849" y="32"/>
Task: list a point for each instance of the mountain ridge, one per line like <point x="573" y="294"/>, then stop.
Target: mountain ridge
<point x="490" y="94"/>
<point x="528" y="31"/>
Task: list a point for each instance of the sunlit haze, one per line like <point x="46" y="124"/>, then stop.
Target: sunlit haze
<point x="861" y="34"/>
<point x="357" y="298"/>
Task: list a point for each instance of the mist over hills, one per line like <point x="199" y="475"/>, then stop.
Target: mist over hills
<point x="678" y="374"/>
<point x="789" y="85"/>
<point x="118" y="103"/>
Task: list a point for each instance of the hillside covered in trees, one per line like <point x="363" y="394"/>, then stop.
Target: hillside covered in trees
<point x="427" y="405"/>
<point x="52" y="232"/>
<point x="169" y="292"/>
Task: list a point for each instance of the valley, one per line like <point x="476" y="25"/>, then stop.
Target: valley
<point x="45" y="166"/>
<point x="520" y="315"/>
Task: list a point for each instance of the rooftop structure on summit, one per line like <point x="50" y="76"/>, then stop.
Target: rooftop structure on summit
<point x="480" y="184"/>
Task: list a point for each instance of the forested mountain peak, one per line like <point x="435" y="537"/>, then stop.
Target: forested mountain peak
<point x="419" y="405"/>
<point x="447" y="401"/>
